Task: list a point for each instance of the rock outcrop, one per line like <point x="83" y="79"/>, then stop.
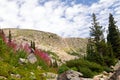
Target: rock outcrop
<point x="70" y="75"/>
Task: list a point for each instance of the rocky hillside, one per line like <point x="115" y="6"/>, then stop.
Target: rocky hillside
<point x="50" y="42"/>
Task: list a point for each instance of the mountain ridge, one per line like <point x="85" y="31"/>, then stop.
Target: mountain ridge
<point x="50" y="42"/>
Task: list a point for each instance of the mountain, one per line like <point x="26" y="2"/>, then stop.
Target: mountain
<point x="65" y="48"/>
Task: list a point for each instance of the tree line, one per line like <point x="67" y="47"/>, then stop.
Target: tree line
<point x="104" y="51"/>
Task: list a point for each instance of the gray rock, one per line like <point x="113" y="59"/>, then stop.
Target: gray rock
<point x="116" y="75"/>
<point x="73" y="75"/>
<point x="22" y="60"/>
<point x="32" y="58"/>
<point x="70" y="75"/>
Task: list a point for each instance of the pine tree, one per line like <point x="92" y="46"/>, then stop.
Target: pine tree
<point x="96" y="30"/>
<point x="33" y="45"/>
<point x="90" y="50"/>
<point x="113" y="36"/>
<point x="94" y="47"/>
<point x="10" y="36"/>
<point x="97" y="33"/>
<point x="97" y="49"/>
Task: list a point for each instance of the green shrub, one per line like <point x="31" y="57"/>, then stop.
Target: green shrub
<point x="62" y="69"/>
<point x="74" y="68"/>
<point x="95" y="67"/>
<point x="89" y="69"/>
<point x="86" y="72"/>
<point x="107" y="69"/>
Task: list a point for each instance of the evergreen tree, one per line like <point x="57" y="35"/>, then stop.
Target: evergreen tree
<point x="10" y="36"/>
<point x="33" y="45"/>
<point x="113" y="36"/>
<point x="96" y="30"/>
<point x="97" y="33"/>
<point x="97" y="49"/>
<point x="90" y="50"/>
<point x="94" y="47"/>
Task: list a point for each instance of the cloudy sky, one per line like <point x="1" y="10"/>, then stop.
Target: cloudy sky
<point x="67" y="18"/>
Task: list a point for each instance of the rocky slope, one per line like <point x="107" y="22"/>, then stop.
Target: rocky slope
<point x="50" y="42"/>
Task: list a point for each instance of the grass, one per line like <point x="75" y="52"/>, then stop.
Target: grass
<point x="9" y="64"/>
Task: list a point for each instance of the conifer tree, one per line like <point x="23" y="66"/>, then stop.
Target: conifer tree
<point x="97" y="49"/>
<point x="33" y="45"/>
<point x="113" y="36"/>
<point x="94" y="47"/>
<point x="97" y="33"/>
<point x="96" y="30"/>
<point x="10" y="36"/>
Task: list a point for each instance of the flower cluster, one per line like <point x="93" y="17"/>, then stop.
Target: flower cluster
<point x="44" y="56"/>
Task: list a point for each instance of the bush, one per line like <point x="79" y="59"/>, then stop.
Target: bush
<point x="62" y="69"/>
<point x="89" y="69"/>
<point x="86" y="72"/>
<point x="107" y="69"/>
<point x="74" y="68"/>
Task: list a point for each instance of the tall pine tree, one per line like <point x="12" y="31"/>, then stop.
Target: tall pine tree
<point x="97" y="49"/>
<point x="96" y="30"/>
<point x="113" y="36"/>
<point x="97" y="33"/>
<point x="94" y="47"/>
<point x="10" y="36"/>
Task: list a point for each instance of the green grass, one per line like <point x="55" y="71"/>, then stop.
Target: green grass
<point x="9" y="64"/>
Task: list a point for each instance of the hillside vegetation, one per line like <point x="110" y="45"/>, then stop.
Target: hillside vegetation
<point x="13" y="66"/>
<point x="50" y="42"/>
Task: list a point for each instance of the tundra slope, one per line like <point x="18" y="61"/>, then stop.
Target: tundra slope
<point x="50" y="42"/>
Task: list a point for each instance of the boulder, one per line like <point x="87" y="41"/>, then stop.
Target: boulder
<point x="32" y="58"/>
<point x="70" y="75"/>
<point x="116" y="75"/>
<point x="22" y="60"/>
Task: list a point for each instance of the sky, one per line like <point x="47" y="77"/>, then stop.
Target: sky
<point x="67" y="18"/>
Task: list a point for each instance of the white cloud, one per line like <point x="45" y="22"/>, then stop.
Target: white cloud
<point x="56" y="16"/>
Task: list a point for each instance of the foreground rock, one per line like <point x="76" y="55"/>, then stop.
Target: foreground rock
<point x="116" y="75"/>
<point x="32" y="58"/>
<point x="23" y="61"/>
<point x="70" y="75"/>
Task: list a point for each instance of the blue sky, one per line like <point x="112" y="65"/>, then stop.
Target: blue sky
<point x="67" y="18"/>
<point x="86" y="2"/>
